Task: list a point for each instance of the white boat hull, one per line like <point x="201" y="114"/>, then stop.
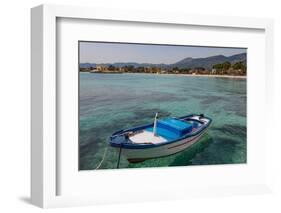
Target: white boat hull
<point x="138" y="155"/>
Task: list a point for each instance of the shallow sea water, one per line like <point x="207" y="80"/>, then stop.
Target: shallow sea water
<point x="110" y="102"/>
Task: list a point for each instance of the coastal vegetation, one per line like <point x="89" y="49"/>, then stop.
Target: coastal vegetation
<point x="216" y="65"/>
<point x="226" y="68"/>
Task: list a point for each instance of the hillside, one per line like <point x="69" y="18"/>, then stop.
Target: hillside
<point x="188" y="62"/>
<point x="208" y="62"/>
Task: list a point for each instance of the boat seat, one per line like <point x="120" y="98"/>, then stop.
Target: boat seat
<point x="164" y="133"/>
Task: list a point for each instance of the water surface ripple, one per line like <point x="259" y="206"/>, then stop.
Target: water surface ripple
<point x="109" y="102"/>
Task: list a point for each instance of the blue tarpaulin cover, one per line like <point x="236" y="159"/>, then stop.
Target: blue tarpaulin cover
<point x="172" y="128"/>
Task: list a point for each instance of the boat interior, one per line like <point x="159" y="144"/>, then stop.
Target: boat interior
<point x="167" y="130"/>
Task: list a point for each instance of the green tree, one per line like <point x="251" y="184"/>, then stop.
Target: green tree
<point x="226" y="65"/>
<point x="239" y="66"/>
<point x="111" y="68"/>
<point x="140" y="69"/>
<point x="218" y="66"/>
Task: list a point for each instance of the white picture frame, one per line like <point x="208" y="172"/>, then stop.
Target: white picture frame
<point x="44" y="167"/>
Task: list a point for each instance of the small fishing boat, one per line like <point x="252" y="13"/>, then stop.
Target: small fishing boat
<point x="162" y="138"/>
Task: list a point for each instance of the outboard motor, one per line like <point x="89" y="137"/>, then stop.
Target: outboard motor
<point x="201" y="116"/>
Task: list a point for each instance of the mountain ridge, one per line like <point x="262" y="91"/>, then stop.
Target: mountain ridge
<point x="187" y="62"/>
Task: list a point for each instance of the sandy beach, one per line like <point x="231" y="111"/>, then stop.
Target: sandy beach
<point x="213" y="76"/>
<point x="197" y="75"/>
<point x="173" y="74"/>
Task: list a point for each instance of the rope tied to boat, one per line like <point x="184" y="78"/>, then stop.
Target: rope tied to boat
<point x="103" y="157"/>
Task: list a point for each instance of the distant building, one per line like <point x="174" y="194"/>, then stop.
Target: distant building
<point x="101" y="68"/>
<point x="147" y="69"/>
<point x="121" y="69"/>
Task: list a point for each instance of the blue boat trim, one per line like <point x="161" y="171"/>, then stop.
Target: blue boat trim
<point x="124" y="144"/>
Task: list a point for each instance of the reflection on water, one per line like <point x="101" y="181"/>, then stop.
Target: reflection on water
<point x="117" y="101"/>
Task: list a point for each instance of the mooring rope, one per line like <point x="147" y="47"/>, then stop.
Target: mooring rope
<point x="104" y="154"/>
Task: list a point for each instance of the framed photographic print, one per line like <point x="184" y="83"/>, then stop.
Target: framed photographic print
<point x="147" y="105"/>
<point x="152" y="106"/>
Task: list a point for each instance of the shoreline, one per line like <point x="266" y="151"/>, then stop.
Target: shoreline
<point x="212" y="76"/>
<point x="185" y="75"/>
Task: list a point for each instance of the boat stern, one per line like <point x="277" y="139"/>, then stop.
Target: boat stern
<point x="118" y="139"/>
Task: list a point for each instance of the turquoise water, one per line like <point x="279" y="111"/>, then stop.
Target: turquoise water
<point x="110" y="102"/>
